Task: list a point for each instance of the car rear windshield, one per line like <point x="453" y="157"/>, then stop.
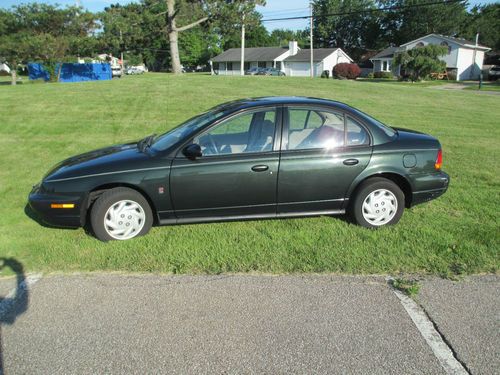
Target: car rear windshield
<point x="390" y="132"/>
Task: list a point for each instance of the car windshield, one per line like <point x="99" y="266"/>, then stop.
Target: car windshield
<point x="170" y="138"/>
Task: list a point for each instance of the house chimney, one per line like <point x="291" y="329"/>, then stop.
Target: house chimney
<point x="293" y="46"/>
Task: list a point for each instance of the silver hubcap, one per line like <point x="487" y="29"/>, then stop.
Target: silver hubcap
<point x="379" y="207"/>
<point x="124" y="220"/>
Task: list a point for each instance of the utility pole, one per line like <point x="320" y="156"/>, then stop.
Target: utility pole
<point x="242" y="65"/>
<point x="311" y="39"/>
<point x="472" y="71"/>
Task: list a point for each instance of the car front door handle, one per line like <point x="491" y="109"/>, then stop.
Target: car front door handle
<point x="351" y="161"/>
<point x="260" y="168"/>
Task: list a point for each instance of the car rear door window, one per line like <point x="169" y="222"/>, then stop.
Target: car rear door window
<point x="250" y="132"/>
<point x="310" y="129"/>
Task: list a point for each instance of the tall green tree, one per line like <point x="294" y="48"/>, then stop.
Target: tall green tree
<point x="412" y="21"/>
<point x="485" y="20"/>
<point x="346" y="31"/>
<point x="281" y="37"/>
<point x="230" y="11"/>
<point x="41" y="32"/>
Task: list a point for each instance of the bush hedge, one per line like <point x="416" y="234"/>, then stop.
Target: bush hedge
<point x="346" y="70"/>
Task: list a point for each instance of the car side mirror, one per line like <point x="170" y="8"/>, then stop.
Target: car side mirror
<point x="192" y="151"/>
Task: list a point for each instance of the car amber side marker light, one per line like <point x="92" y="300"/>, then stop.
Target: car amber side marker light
<point x="439" y="160"/>
<point x="62" y="205"/>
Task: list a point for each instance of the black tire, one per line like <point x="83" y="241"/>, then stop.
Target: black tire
<point x="365" y="189"/>
<point x="110" y="198"/>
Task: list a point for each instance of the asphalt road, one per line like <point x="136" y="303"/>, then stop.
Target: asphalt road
<point x="240" y="324"/>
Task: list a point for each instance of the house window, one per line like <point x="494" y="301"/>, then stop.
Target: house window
<point x="229" y="66"/>
<point x="445" y="44"/>
<point x="262" y="64"/>
<point x="386" y="66"/>
<point x="247" y="66"/>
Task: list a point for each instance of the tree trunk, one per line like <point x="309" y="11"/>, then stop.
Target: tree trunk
<point x="13" y="75"/>
<point x="173" y="38"/>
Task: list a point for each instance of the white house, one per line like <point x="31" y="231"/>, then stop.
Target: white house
<point x="4" y="69"/>
<point x="464" y="58"/>
<point x="292" y="60"/>
<point x="299" y="64"/>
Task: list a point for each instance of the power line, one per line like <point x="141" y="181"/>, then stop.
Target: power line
<point x="396" y="7"/>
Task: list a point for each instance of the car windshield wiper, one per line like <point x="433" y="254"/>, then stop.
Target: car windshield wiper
<point x="143" y="144"/>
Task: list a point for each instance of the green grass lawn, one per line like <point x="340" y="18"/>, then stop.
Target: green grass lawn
<point x="456" y="234"/>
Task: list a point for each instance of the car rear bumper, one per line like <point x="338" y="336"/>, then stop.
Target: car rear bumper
<point x="435" y="186"/>
<point x="40" y="204"/>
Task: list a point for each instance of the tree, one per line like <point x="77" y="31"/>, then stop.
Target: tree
<point x="231" y="11"/>
<point x="420" y="62"/>
<point x="281" y="37"/>
<point x="41" y="32"/>
<point x="484" y="19"/>
<point x="346" y="31"/>
<point x="412" y="21"/>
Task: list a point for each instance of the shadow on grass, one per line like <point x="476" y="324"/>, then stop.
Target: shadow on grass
<point x="14" y="304"/>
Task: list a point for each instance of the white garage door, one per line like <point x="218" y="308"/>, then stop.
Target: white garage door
<point x="302" y="69"/>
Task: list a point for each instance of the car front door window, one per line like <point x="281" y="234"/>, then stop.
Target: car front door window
<point x="246" y="133"/>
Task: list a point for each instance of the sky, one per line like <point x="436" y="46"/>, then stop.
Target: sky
<point x="273" y="9"/>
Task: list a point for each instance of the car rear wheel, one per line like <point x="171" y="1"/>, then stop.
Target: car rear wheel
<point x="121" y="214"/>
<point x="378" y="202"/>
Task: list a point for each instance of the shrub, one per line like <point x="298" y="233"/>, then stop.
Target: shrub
<point x="345" y="70"/>
<point x="385" y="75"/>
<point x="421" y="62"/>
<point x="325" y="74"/>
<point x="370" y="75"/>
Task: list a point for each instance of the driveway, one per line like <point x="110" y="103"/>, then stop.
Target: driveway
<point x="109" y="323"/>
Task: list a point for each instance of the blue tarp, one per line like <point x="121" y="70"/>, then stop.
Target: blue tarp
<point x="73" y="72"/>
<point x="84" y="72"/>
<point x="36" y="71"/>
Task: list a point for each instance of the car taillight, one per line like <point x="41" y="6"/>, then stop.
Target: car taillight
<point x="439" y="160"/>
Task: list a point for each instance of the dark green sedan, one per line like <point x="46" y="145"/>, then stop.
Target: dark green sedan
<point x="257" y="158"/>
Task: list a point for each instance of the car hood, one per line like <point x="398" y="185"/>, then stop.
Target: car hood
<point x="105" y="160"/>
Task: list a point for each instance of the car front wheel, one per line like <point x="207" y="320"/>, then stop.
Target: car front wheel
<point x="120" y="214"/>
<point x="378" y="202"/>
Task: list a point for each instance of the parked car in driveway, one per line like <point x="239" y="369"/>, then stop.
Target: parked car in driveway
<point x="258" y="158"/>
<point x="253" y="71"/>
<point x="271" y="72"/>
<point x="494" y="73"/>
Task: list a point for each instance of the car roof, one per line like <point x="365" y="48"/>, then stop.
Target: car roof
<point x="281" y="100"/>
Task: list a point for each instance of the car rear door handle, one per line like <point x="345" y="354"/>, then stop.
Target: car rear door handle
<point x="260" y="168"/>
<point x="351" y="161"/>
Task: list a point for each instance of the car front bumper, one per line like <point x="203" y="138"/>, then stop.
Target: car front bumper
<point x="431" y="187"/>
<point x="40" y="203"/>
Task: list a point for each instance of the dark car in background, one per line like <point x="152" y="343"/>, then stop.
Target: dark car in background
<point x="494" y="73"/>
<point x="260" y="158"/>
<point x="253" y="71"/>
<point x="271" y="72"/>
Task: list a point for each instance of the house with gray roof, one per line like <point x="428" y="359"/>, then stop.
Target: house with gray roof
<point x="299" y="64"/>
<point x="464" y="58"/>
<point x="292" y="60"/>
